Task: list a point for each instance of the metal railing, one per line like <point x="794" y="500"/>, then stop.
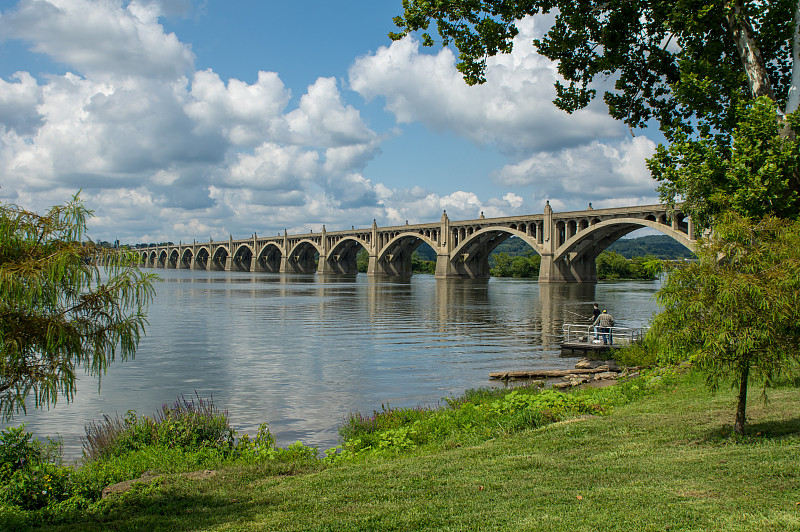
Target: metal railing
<point x="589" y="334"/>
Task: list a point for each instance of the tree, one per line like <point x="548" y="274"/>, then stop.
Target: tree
<point x="58" y="311"/>
<point x="755" y="175"/>
<point x="693" y="66"/>
<point x="737" y="318"/>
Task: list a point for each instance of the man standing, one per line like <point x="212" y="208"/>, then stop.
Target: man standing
<point x="605" y="321"/>
<point x="595" y="312"/>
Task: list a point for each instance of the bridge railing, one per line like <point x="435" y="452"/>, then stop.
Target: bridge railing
<point x="588" y="334"/>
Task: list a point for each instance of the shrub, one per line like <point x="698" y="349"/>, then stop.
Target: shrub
<point x="31" y="474"/>
<point x="186" y="425"/>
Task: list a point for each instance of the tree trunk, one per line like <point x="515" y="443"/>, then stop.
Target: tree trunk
<point x="749" y="52"/>
<point x="741" y="408"/>
<point x="793" y="98"/>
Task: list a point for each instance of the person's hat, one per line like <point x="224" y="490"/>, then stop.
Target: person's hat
<point x="604" y="310"/>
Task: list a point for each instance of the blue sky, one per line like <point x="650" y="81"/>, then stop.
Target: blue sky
<point x="185" y="119"/>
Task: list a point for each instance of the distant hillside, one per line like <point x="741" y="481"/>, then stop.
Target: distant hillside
<point x="661" y="246"/>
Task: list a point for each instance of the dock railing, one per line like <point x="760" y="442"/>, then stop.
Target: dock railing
<point x="585" y="334"/>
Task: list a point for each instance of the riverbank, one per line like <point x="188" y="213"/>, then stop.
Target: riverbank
<point x="664" y="461"/>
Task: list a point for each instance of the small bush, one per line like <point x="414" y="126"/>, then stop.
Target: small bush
<point x="31" y="473"/>
<point x="186" y="424"/>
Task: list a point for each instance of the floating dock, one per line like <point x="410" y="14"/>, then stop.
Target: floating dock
<point x="582" y="338"/>
<point x="586" y="348"/>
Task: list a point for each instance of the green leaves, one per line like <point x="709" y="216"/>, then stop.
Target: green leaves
<point x="755" y="172"/>
<point x="735" y="314"/>
<point x="59" y="312"/>
<point x="673" y="61"/>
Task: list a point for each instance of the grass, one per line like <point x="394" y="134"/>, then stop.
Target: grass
<point x="665" y="462"/>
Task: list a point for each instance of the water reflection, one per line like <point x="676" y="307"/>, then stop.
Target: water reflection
<point x="301" y="351"/>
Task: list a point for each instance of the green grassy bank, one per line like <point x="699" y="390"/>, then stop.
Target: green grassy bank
<point x="665" y="461"/>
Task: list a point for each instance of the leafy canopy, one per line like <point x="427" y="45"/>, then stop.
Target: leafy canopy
<point x="58" y="312"/>
<point x="735" y="314"/>
<point x="675" y="61"/>
<point x="694" y="67"/>
<point x="756" y="174"/>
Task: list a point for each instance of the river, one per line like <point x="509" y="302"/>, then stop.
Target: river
<point x="302" y="351"/>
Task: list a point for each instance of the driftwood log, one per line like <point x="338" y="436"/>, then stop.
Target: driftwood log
<point x="545" y="374"/>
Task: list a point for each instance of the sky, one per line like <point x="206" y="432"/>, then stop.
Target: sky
<point x="194" y="119"/>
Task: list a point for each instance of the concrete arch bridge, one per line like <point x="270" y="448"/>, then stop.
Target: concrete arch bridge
<point x="567" y="242"/>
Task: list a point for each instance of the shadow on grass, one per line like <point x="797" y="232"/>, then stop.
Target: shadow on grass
<point x="164" y="509"/>
<point x="755" y="432"/>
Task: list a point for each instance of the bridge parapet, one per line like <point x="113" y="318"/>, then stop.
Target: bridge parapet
<point x="568" y="242"/>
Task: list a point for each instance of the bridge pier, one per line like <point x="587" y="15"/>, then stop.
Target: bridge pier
<point x="579" y="270"/>
<point x="398" y="265"/>
<point x="337" y="265"/>
<point x="462" y="267"/>
<point x="445" y="270"/>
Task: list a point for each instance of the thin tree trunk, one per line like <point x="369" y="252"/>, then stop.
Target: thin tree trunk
<point x="749" y="52"/>
<point x="741" y="408"/>
<point x="793" y="98"/>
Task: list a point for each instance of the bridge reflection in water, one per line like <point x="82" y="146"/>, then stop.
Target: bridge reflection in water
<point x="568" y="244"/>
<point x="301" y="351"/>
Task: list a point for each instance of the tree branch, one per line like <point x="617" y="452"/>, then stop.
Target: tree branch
<point x="749" y="52"/>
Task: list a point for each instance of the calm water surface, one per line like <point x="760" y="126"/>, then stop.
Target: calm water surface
<point x="300" y="352"/>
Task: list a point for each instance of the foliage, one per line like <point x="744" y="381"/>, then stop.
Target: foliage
<point x="736" y="313"/>
<point x="612" y="266"/>
<point x="186" y="424"/>
<point x="515" y="258"/>
<point x="525" y="266"/>
<point x="420" y="265"/>
<point x="362" y="260"/>
<point x="676" y="62"/>
<point x="661" y="247"/>
<point x="419" y="262"/>
<point x="481" y="415"/>
<point x="695" y="67"/>
<point x="757" y="173"/>
<point x="31" y="475"/>
<point x="643" y="352"/>
<point x="57" y="312"/>
<point x="185" y="436"/>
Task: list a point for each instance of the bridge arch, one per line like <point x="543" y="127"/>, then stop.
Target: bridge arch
<point x="269" y="259"/>
<point x="186" y="259"/>
<point x="574" y="260"/>
<point x="395" y="257"/>
<point x="161" y="261"/>
<point x="173" y="258"/>
<point x="202" y="261"/>
<point x="470" y="258"/>
<point x="242" y="258"/>
<point x="219" y="259"/>
<point x="596" y="239"/>
<point x="302" y="258"/>
<point x="342" y="258"/>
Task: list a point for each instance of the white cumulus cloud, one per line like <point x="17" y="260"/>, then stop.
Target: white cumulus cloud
<point x="512" y="110"/>
<point x="593" y="172"/>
